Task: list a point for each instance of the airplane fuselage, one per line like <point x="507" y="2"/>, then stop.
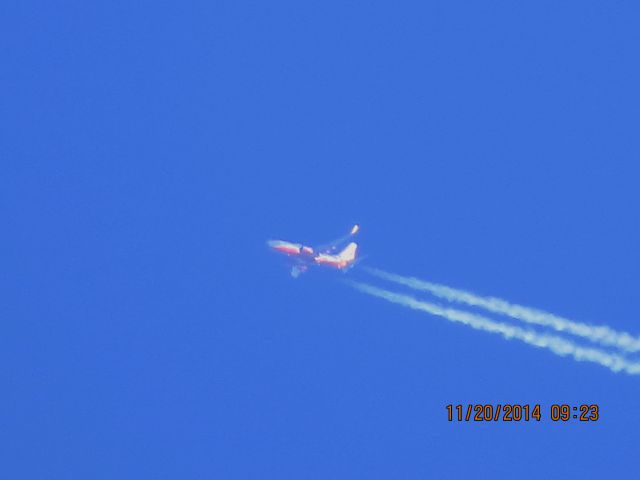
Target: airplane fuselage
<point x="306" y="254"/>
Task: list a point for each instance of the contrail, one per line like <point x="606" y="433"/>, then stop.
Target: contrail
<point x="597" y="334"/>
<point x="557" y="345"/>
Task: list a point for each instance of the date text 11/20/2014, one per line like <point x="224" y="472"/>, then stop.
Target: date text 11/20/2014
<point x="515" y="412"/>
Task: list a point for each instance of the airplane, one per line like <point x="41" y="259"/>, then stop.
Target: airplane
<point x="304" y="256"/>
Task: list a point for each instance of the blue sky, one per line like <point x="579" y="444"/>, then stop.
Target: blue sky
<point x="150" y="149"/>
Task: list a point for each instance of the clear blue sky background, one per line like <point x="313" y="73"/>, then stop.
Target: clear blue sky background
<point x="150" y="148"/>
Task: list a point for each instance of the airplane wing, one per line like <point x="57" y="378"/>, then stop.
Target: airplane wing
<point x="333" y="245"/>
<point x="356" y="262"/>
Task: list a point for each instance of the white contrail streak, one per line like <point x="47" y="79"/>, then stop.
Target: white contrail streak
<point x="597" y="334"/>
<point x="557" y="345"/>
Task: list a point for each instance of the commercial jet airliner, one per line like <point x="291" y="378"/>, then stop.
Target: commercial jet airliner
<point x="303" y="256"/>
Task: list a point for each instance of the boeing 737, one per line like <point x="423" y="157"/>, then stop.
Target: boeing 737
<point x="303" y="256"/>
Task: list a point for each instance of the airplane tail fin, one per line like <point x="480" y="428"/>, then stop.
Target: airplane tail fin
<point x="349" y="253"/>
<point x="297" y="270"/>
